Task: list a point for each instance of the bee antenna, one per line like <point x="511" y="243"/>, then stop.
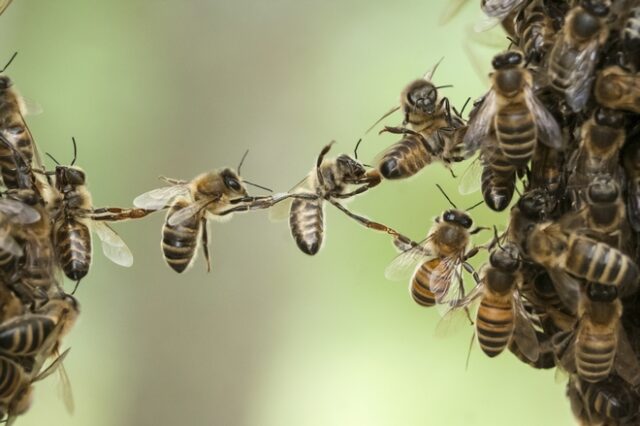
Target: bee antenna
<point x="75" y="151"/>
<point x="444" y="86"/>
<point x="242" y="160"/>
<point x="446" y="196"/>
<point x="9" y="63"/>
<point x="385" y="115"/>
<point x="355" y="150"/>
<point x="257" y="186"/>
<point x="429" y="75"/>
<point x="53" y="158"/>
<point x="475" y="205"/>
<point x="463" y="107"/>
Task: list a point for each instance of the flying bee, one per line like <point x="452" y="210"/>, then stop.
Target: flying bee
<point x="74" y="217"/>
<point x="608" y="400"/>
<point x="574" y="54"/>
<point x="437" y="261"/>
<point x="512" y="110"/>
<point x="536" y="29"/>
<point x="598" y="345"/>
<point x="616" y="88"/>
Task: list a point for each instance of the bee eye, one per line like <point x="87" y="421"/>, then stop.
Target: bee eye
<point x="466" y="222"/>
<point x="75" y="177"/>
<point x="232" y="184"/>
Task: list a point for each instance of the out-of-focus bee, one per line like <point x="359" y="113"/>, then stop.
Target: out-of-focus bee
<point x="512" y="110"/>
<point x="598" y="344"/>
<point x="603" y="402"/>
<point x="631" y="163"/>
<point x="13" y="213"/>
<point x="560" y="249"/>
<point x="331" y="180"/>
<point x="630" y="37"/>
<point x="536" y="29"/>
<point x="497" y="11"/>
<point x="439" y="258"/>
<point x="618" y="89"/>
<point x="501" y="317"/>
<point x="14" y="128"/>
<point x="573" y="57"/>
<point x="73" y="217"/>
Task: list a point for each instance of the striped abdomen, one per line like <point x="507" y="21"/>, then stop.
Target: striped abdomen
<point x="179" y="242"/>
<point x="38" y="268"/>
<point x="7" y="263"/>
<point x="497" y="188"/>
<point x="306" y="220"/>
<point x="536" y="31"/>
<point x="599" y="262"/>
<point x="595" y="352"/>
<point x="495" y="323"/>
<point x="609" y="400"/>
<point x="404" y="158"/>
<point x="428" y="284"/>
<point x="14" y="130"/>
<point x="11" y="377"/>
<point x="25" y="336"/>
<point x="562" y="60"/>
<point x="516" y="132"/>
<point x="73" y="245"/>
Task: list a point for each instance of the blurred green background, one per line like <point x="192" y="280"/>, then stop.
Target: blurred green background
<point x="271" y="336"/>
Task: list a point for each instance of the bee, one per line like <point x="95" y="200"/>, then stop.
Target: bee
<point x="497" y="11"/>
<point x="14" y="128"/>
<point x="546" y="357"/>
<point x="74" y="217"/>
<point x="512" y="110"/>
<point x="501" y="316"/>
<point x="536" y="29"/>
<point x="598" y="345"/>
<point x="535" y="206"/>
<point x="608" y="400"/>
<point x="630" y="36"/>
<point x="574" y="54"/>
<point x="631" y="162"/>
<point x="605" y="211"/>
<point x="616" y="88"/>
<point x="439" y="258"/>
<point x="13" y="213"/>
<point x="558" y="248"/>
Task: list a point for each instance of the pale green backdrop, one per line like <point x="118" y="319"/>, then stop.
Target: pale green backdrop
<point x="271" y="337"/>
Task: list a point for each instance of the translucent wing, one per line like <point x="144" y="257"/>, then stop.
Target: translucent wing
<point x="112" y="245"/>
<point x="29" y="106"/>
<point x="457" y="318"/>
<point x="405" y="264"/>
<point x="626" y="363"/>
<point x="499" y="8"/>
<point x="451" y="10"/>
<point x="161" y="197"/>
<point x="447" y="283"/>
<point x="480" y="123"/>
<point x="3" y="5"/>
<point x="280" y="211"/>
<point x="547" y="126"/>
<point x="564" y="347"/>
<point x="579" y="91"/>
<point x="66" y="392"/>
<point x="524" y="333"/>
<point x="485" y="23"/>
<point x="19" y="212"/>
<point x="567" y="287"/>
<point x="9" y="244"/>
<point x="470" y="181"/>
<point x="189" y="211"/>
<point x="52" y="367"/>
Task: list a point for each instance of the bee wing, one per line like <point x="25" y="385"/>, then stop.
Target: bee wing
<point x="563" y="344"/>
<point x="112" y="245"/>
<point x="480" y="124"/>
<point x="29" y="106"/>
<point x="9" y="244"/>
<point x="3" y="5"/>
<point x="19" y="212"/>
<point x="470" y="181"/>
<point x="66" y="391"/>
<point x="451" y="10"/>
<point x="160" y="198"/>
<point x="189" y="211"/>
<point x="524" y="333"/>
<point x="447" y="282"/>
<point x="626" y="362"/>
<point x="53" y="367"/>
<point x="499" y="8"/>
<point x="567" y="287"/>
<point x="456" y="318"/>
<point x="547" y="126"/>
<point x="405" y="264"/>
<point x="579" y="91"/>
<point x="280" y="211"/>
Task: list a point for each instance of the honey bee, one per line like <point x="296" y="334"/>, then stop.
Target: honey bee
<point x="546" y="357"/>
<point x="74" y="217"/>
<point x="438" y="260"/>
<point x="536" y="29"/>
<point x="630" y="37"/>
<point x="574" y="55"/>
<point x="497" y="11"/>
<point x="559" y="249"/>
<point x="608" y="400"/>
<point x="631" y="162"/>
<point x="598" y="345"/>
<point x="512" y="110"/>
<point x="616" y="88"/>
<point x="535" y="206"/>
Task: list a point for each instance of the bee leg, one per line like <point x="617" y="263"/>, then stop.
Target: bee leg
<point x="205" y="243"/>
<point x="115" y="214"/>
<point x="259" y="203"/>
<point x="447" y="108"/>
<point x="478" y="229"/>
<point x="471" y="271"/>
<point x="319" y="161"/>
<point x="75" y="288"/>
<point x="369" y="223"/>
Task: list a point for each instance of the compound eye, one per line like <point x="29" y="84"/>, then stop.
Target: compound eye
<point x="467" y="222"/>
<point x="514" y="58"/>
<point x="75" y="177"/>
<point x="232" y="183"/>
<point x="449" y="216"/>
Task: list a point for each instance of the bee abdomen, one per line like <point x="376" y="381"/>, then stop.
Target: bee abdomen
<point x="179" y="242"/>
<point x="73" y="244"/>
<point x="599" y="262"/>
<point x="306" y="220"/>
<point x="404" y="159"/>
<point x="425" y="287"/>
<point x="594" y="356"/>
<point x="516" y="133"/>
<point x="494" y="326"/>
<point x="497" y="189"/>
<point x="10" y="377"/>
<point x="25" y="336"/>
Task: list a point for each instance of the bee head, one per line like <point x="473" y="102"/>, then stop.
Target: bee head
<point x="586" y="22"/>
<point x="351" y="169"/>
<point x="609" y="117"/>
<point x="423" y="96"/>
<point x="603" y="190"/>
<point x="536" y="205"/>
<point x="73" y="176"/>
<point x="233" y="182"/>
<point x="596" y="8"/>
<point x="505" y="258"/>
<point x="5" y="82"/>
<point x="601" y="292"/>
<point x="457" y="217"/>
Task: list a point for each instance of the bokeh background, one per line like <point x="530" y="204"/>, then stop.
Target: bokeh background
<point x="271" y="336"/>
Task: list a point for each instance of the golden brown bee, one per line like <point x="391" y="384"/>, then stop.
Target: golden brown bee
<point x="572" y="59"/>
<point x="535" y="206"/>
<point x="606" y="401"/>
<point x="536" y="29"/>
<point x="439" y="260"/>
<point x="618" y="89"/>
<point x="512" y="110"/>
